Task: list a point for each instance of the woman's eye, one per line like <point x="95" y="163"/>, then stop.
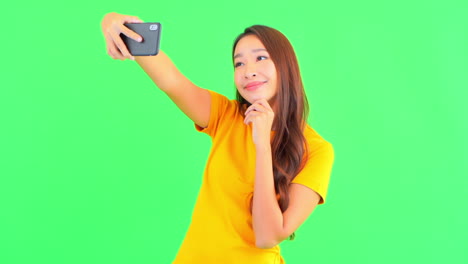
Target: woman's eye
<point x="262" y="58"/>
<point x="237" y="64"/>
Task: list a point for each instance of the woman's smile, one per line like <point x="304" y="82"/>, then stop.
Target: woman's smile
<point x="252" y="86"/>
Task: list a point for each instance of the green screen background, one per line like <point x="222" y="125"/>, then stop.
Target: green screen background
<point x="99" y="166"/>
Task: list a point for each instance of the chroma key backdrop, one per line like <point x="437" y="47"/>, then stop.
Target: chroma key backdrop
<point x="98" y="166"/>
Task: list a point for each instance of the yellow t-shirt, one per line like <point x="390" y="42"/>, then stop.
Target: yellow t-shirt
<point x="221" y="228"/>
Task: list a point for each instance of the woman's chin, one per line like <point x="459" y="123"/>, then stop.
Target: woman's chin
<point x="253" y="99"/>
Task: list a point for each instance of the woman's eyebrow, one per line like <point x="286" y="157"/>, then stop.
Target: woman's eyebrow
<point x="254" y="50"/>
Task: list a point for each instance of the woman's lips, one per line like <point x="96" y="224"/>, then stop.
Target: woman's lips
<point x="253" y="85"/>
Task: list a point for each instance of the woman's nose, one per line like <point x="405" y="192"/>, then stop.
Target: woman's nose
<point x="249" y="75"/>
<point x="250" y="71"/>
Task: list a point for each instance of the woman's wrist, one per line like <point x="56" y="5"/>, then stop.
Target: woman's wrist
<point x="263" y="148"/>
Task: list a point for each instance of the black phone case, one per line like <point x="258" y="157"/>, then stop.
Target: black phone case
<point x="151" y="34"/>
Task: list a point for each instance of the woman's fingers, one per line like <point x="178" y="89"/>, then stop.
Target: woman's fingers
<point x="264" y="103"/>
<point x="249" y="117"/>
<point x="130" y="33"/>
<point x="112" y="27"/>
<point x="121" y="28"/>
<point x="256" y="107"/>
<point x="120" y="45"/>
<point x="132" y="19"/>
<point x="112" y="49"/>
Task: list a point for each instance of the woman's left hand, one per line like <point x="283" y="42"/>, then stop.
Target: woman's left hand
<point x="261" y="116"/>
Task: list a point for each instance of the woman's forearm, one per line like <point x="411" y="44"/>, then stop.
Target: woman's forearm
<point x="162" y="71"/>
<point x="266" y="213"/>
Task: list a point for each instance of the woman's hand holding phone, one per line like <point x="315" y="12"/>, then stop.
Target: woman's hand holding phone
<point x="112" y="26"/>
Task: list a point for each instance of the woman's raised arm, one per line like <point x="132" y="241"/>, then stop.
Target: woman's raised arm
<point x="194" y="101"/>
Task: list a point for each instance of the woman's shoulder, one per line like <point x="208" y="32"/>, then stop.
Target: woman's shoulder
<point x="314" y="140"/>
<point x="224" y="104"/>
<point x="222" y="99"/>
<point x="223" y="112"/>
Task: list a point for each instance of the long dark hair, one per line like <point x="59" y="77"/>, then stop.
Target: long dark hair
<point x="289" y="148"/>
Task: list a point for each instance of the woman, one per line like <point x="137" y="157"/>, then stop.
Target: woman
<point x="267" y="168"/>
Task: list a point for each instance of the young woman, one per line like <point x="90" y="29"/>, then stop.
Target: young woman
<point x="267" y="168"/>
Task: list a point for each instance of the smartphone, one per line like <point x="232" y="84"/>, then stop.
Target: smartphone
<point x="151" y="34"/>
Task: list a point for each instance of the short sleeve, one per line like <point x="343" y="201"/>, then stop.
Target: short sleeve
<point x="219" y="103"/>
<point x="316" y="172"/>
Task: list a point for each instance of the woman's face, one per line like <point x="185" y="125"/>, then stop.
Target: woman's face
<point x="255" y="72"/>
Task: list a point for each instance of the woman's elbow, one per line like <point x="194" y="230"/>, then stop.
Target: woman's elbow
<point x="265" y="244"/>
